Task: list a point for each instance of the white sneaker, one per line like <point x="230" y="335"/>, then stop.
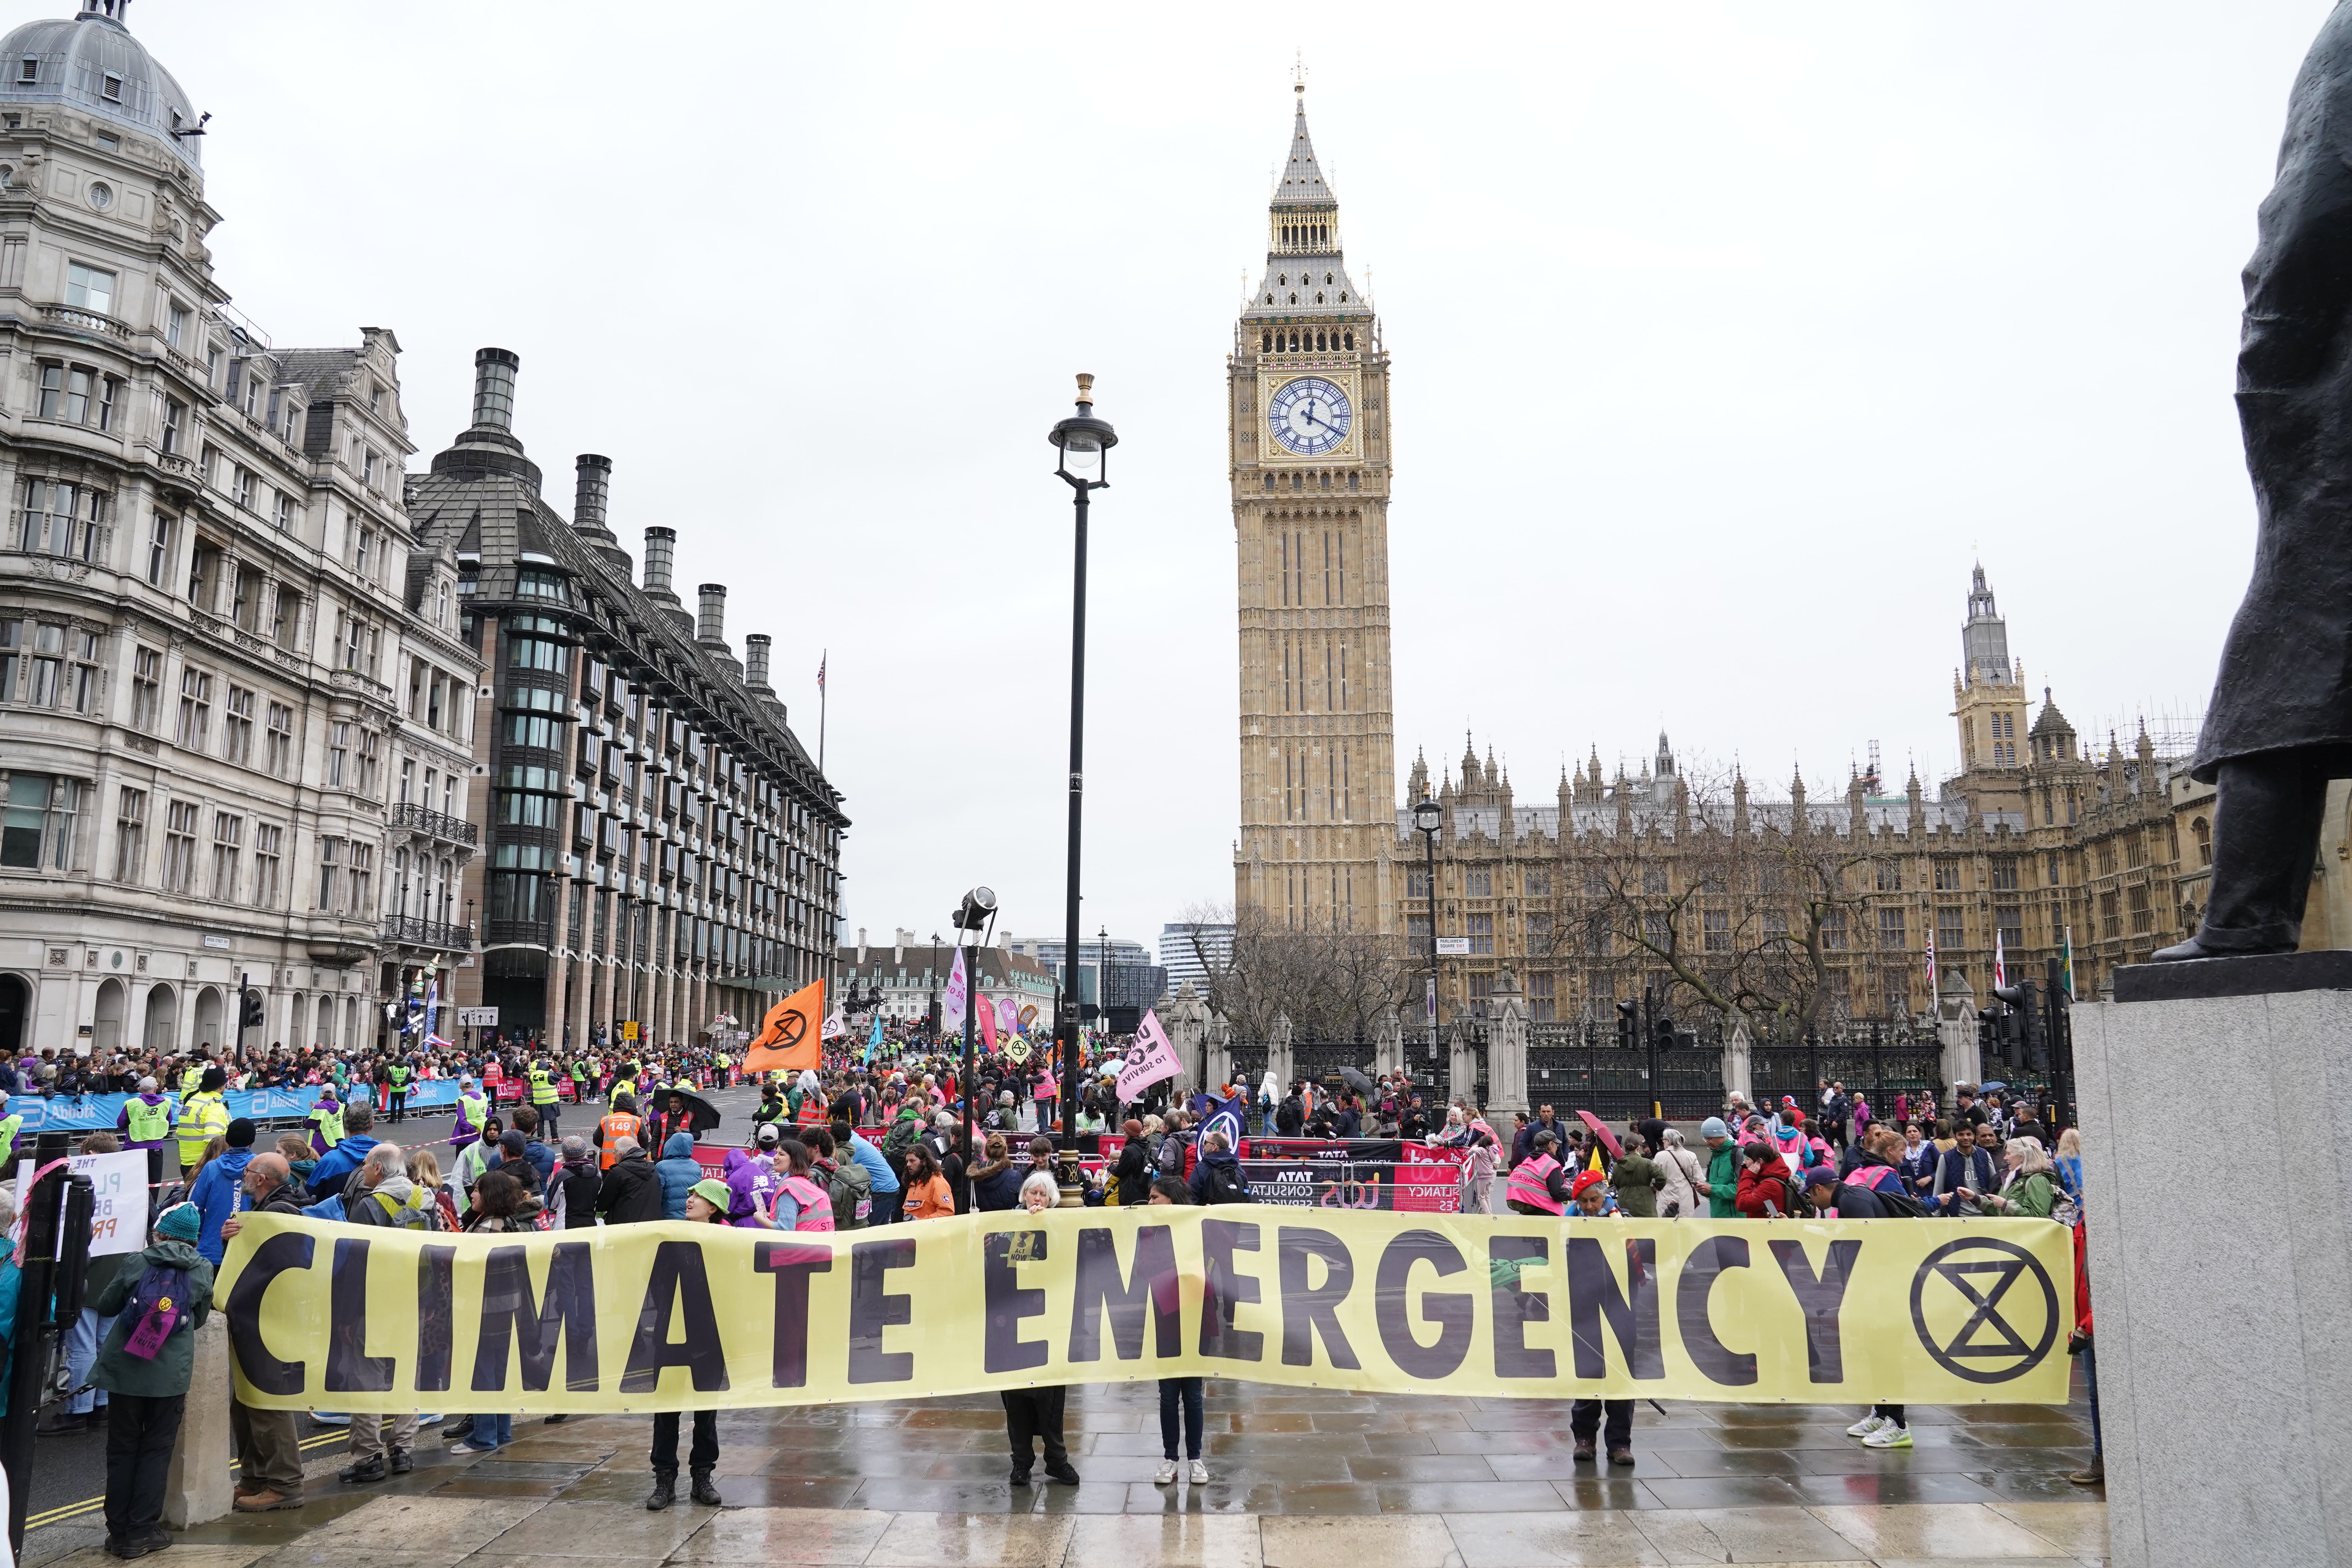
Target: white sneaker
<point x="1866" y="1426"/>
<point x="1890" y="1436"/>
<point x="1199" y="1474"/>
<point x="1165" y="1476"/>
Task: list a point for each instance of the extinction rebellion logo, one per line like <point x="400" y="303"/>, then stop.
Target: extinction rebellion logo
<point x="1972" y="1317"/>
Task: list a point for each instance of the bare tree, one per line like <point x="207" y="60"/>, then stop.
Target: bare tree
<point x="1332" y="982"/>
<point x="1760" y="919"/>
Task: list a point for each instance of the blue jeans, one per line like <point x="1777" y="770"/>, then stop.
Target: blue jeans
<point x="82" y="1338"/>
<point x="1185" y="1391"/>
<point x="492" y="1431"/>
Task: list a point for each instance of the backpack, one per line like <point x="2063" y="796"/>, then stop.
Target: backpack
<point x="901" y="1136"/>
<point x="1901" y="1205"/>
<point x="851" y="1188"/>
<point x="1227" y="1184"/>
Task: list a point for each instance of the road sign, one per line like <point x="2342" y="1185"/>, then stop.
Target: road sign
<point x="629" y="1030"/>
<point x="478" y="1017"/>
<point x="1452" y="947"/>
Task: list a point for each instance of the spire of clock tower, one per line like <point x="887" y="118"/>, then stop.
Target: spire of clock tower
<point x="1305" y="270"/>
<point x="1302" y="184"/>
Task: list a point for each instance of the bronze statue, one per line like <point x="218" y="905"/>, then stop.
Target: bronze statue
<point x="2280" y="725"/>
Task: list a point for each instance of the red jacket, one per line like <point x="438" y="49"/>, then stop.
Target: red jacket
<point x="1771" y="1182"/>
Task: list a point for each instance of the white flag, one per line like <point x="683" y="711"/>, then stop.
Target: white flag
<point x="834" y="1028"/>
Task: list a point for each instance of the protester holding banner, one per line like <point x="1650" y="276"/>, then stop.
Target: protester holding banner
<point x="268" y="1443"/>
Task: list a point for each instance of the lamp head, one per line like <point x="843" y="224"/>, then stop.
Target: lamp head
<point x="1084" y="442"/>
<point x="1425" y="815"/>
<point x="977" y="905"/>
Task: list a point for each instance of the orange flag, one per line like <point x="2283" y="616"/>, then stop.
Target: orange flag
<point x="791" y="1036"/>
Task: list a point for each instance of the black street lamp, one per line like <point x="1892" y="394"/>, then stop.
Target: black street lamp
<point x="1426" y="814"/>
<point x="1083" y="444"/>
<point x="974" y="913"/>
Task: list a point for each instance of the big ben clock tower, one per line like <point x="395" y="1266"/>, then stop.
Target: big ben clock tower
<point x="1307" y="392"/>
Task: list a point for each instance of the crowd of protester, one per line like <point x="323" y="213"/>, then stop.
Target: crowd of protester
<point x="861" y="1145"/>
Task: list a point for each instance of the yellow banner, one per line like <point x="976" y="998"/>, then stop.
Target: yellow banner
<point x="676" y="1316"/>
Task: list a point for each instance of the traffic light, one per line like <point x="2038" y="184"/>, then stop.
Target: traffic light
<point x="1629" y="1029"/>
<point x="1988" y="1034"/>
<point x="1662" y="1030"/>
<point x="249" y="1012"/>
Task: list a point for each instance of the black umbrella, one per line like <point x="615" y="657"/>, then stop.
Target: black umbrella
<point x="1355" y="1080"/>
<point x="702" y="1116"/>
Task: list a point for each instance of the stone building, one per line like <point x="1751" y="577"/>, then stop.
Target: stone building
<point x="907" y="979"/>
<point x="223" y="660"/>
<point x="2038" y="840"/>
<point x="661" y="850"/>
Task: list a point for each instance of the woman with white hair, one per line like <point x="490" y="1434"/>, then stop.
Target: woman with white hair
<point x="1678" y="1199"/>
<point x="2026" y="1190"/>
<point x="1034" y="1413"/>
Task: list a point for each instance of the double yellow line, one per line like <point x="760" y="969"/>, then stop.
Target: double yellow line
<point x="89" y="1505"/>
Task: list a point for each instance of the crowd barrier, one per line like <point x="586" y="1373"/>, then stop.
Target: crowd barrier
<point x="93" y="1112"/>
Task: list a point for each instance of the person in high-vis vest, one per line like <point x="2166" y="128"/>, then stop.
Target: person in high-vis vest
<point x="146" y="1119"/>
<point x="192" y="1077"/>
<point x="542" y="1098"/>
<point x="800" y="1203"/>
<point x="1539" y="1186"/>
<point x="203" y="1115"/>
<point x="10" y="1125"/>
<point x="580" y="1079"/>
<point x="620" y="1123"/>
<point x="326" y="1118"/>
<point x="472" y="1110"/>
<point x="396" y="1076"/>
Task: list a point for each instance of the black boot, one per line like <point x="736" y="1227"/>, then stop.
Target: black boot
<point x="359" y="1472"/>
<point x="704" y="1492"/>
<point x="403" y="1461"/>
<point x="1061" y="1470"/>
<point x="2266" y="817"/>
<point x="665" y="1491"/>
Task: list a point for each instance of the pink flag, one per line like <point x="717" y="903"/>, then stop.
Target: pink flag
<point x="1150" y="1059"/>
<point x="951" y="1011"/>
<point x="1008" y="1016"/>
<point x="987" y="1022"/>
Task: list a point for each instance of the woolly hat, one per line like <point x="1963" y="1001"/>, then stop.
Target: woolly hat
<point x="179" y="1223"/>
<point x="1584" y="1182"/>
<point x="1713" y="1127"/>
<point x="240" y="1133"/>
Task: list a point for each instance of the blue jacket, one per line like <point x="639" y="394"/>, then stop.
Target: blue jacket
<point x="1966" y="1166"/>
<point x="885" y="1179"/>
<point x="542" y="1160"/>
<point x="678" y="1170"/>
<point x="215" y="1195"/>
<point x="336" y="1165"/>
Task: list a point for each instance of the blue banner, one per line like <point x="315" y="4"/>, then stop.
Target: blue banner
<point x="91" y="1112"/>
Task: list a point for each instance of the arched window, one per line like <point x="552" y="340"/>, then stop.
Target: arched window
<point x="2204" y="831"/>
<point x="1350" y="338"/>
<point x="1294" y="343"/>
<point x="1318" y="299"/>
<point x="1319" y="343"/>
<point x="1327" y="277"/>
<point x="1294" y="297"/>
<point x="1269" y="482"/>
<point x="1269" y="343"/>
<point x="1282" y="281"/>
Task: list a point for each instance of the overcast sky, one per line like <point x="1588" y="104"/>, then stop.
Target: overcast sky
<point x="1725" y="339"/>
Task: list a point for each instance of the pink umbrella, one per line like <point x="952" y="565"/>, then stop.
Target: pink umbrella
<point x="1608" y="1139"/>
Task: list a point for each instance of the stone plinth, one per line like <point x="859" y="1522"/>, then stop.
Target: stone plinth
<point x="199" y="1486"/>
<point x="2222" y="1288"/>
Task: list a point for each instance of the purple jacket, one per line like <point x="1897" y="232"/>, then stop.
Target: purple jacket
<point x="752" y="1187"/>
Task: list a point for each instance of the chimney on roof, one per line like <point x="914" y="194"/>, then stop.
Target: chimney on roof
<point x="711" y="627"/>
<point x="592" y="500"/>
<point x="755" y="660"/>
<point x="661" y="555"/>
<point x="494" y="379"/>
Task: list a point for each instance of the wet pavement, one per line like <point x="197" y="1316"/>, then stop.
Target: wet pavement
<point x="1299" y="1480"/>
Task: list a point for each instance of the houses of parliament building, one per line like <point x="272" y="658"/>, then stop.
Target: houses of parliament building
<point x="2045" y="842"/>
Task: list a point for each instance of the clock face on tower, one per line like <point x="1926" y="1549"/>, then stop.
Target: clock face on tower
<point x="1310" y="416"/>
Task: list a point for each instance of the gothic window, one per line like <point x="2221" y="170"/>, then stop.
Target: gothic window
<point x="1653" y="879"/>
<point x="1951" y="929"/>
<point x="1717" y="929"/>
<point x="1348" y="339"/>
<point x="1535" y="885"/>
<point x="1947" y="875"/>
<point x="1268" y="345"/>
<point x="1294" y="297"/>
<point x="1327" y="277"/>
<point x="1482" y="934"/>
<point x="2204" y="831"/>
<point x="1479" y="883"/>
<point x="1890" y="929"/>
<point x="1318" y="296"/>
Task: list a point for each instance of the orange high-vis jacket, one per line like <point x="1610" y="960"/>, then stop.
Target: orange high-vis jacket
<point x="620" y="1124"/>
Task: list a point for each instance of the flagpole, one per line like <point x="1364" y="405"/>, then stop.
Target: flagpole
<point x="823" y="659"/>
